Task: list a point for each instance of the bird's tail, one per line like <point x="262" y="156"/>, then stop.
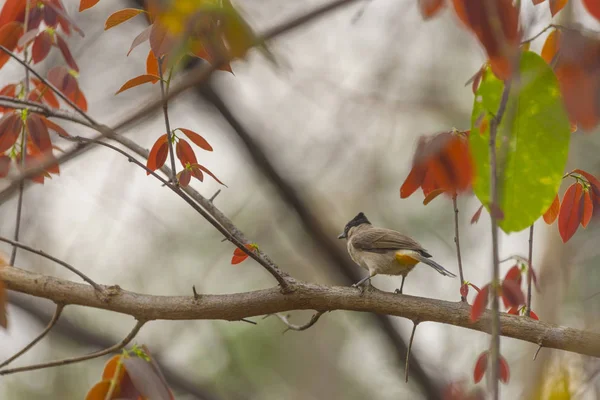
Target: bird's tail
<point x="435" y="266"/>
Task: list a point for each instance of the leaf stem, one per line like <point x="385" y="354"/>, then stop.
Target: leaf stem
<point x="164" y="94"/>
<point x="529" y="274"/>
<point x="457" y="242"/>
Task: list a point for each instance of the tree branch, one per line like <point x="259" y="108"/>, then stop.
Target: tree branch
<point x="313" y="320"/>
<point x="73" y="360"/>
<point x="306" y="296"/>
<point x="457" y="242"/>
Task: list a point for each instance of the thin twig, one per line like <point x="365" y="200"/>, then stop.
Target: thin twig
<point x="457" y="242"/>
<point x="529" y="274"/>
<point x="13" y="255"/>
<point x="248" y="321"/>
<point x="313" y="320"/>
<point x="56" y="260"/>
<point x="164" y="93"/>
<point x="537" y="351"/>
<point x="410" y="342"/>
<point x="55" y="317"/>
<point x="73" y="360"/>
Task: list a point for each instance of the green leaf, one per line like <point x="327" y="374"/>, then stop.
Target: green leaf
<point x="532" y="142"/>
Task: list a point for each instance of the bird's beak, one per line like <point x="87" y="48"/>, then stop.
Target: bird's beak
<point x="341" y="236"/>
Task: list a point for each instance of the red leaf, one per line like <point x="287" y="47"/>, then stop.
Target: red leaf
<point x="504" y="370"/>
<point x="196" y="139"/>
<point x="184" y="177"/>
<point x="63" y="80"/>
<point x="512" y="295"/>
<point x="152" y="65"/>
<point x="4" y="165"/>
<point x="185" y="153"/>
<point x="570" y="211"/>
<point x="480" y="303"/>
<point x="533" y="315"/>
<point x="588" y="209"/>
<point x="430" y="7"/>
<point x="64" y="49"/>
<point x="551" y="214"/>
<point x="476" y="79"/>
<point x="100" y="389"/>
<point x="593" y="7"/>
<point x="475" y="287"/>
<point x="197" y="173"/>
<point x="514" y="274"/>
<point x="239" y="255"/>
<point x="211" y="174"/>
<point x="138" y="80"/>
<point x="536" y="2"/>
<point x="146" y="379"/>
<point x="160" y="42"/>
<point x="78" y="98"/>
<point x="141" y="38"/>
<point x="513" y="311"/>
<point x="464" y="290"/>
<point x="121" y="16"/>
<point x="158" y="154"/>
<point x="475" y="217"/>
<point x="592" y="180"/>
<point x="41" y="47"/>
<point x="9" y="37"/>
<point x="432" y="195"/>
<point x="9" y="91"/>
<point x="480" y="367"/>
<point x="11" y="11"/>
<point x="412" y="182"/>
<point x="38" y="133"/>
<point x="10" y="128"/>
<point x="46" y="93"/>
<point x="85" y="4"/>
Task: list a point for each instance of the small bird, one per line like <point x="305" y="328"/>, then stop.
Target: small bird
<point x="384" y="251"/>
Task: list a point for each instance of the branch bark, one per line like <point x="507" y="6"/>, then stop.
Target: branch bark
<point x="304" y="296"/>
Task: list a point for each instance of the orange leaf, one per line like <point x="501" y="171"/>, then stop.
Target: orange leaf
<point x="430" y="7"/>
<point x="9" y="91"/>
<point x="185" y="153"/>
<point x="100" y="390"/>
<point x="196" y="139"/>
<point x="121" y="16"/>
<point x="550" y="46"/>
<point x="9" y="37"/>
<point x="10" y="128"/>
<point x="152" y="65"/>
<point x="138" y="80"/>
<point x="85" y="4"/>
<point x="569" y="216"/>
<point x="78" y="98"/>
<point x="475" y="217"/>
<point x="110" y="369"/>
<point x="551" y="214"/>
<point x="557" y="5"/>
<point x="533" y="315"/>
<point x="432" y="195"/>
<point x="480" y="303"/>
<point x="504" y="370"/>
<point x="588" y="209"/>
<point x="513" y="311"/>
<point x="593" y="7"/>
<point x="592" y="180"/>
<point x="158" y="154"/>
<point x="11" y="10"/>
<point x="480" y="367"/>
<point x="512" y="295"/>
<point x="536" y="2"/>
<point x="55" y="127"/>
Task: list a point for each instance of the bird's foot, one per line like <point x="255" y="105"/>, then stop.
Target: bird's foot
<point x="398" y="291"/>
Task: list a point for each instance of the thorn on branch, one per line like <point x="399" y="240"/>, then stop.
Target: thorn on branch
<point x="537" y="351"/>
<point x="196" y="295"/>
<point x="248" y="321"/>
<point x="412" y="336"/>
<point x="214" y="196"/>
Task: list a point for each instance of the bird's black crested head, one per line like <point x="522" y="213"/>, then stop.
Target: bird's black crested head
<point x="356" y="221"/>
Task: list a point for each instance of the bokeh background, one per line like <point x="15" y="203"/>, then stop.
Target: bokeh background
<point x="339" y="120"/>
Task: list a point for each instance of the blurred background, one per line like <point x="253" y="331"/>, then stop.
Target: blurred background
<point x="339" y="121"/>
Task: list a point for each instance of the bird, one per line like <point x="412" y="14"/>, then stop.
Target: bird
<point x="384" y="251"/>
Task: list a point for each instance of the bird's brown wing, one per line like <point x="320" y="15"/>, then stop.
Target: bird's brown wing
<point x="381" y="239"/>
